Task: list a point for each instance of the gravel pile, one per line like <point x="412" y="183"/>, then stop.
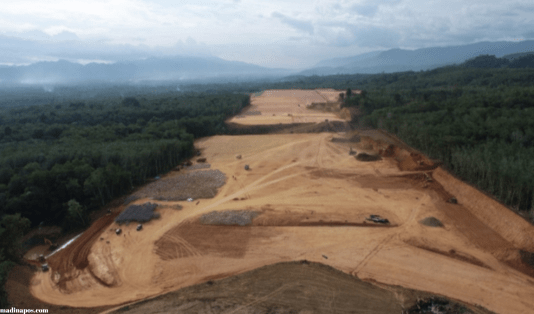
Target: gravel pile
<point x="140" y="213"/>
<point x="228" y="218"/>
<point x="196" y="184"/>
<point x="198" y="166"/>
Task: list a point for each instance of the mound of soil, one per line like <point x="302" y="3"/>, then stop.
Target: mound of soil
<point x="291" y="287"/>
<point x="367" y="157"/>
<point x="66" y="263"/>
<point x="431" y="222"/>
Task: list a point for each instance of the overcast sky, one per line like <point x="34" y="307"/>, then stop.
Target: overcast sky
<point x="269" y="33"/>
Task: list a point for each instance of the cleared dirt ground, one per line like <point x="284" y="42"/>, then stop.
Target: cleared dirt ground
<point x="289" y="106"/>
<point x="313" y="198"/>
<point x="310" y="199"/>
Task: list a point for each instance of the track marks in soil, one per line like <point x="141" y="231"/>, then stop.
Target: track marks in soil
<point x="188" y="239"/>
<point x="385" y="241"/>
<point x="261" y="299"/>
<point x="172" y="246"/>
<point x="371" y="254"/>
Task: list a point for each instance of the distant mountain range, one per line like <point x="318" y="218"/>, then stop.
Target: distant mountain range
<point x="182" y="68"/>
<point x="398" y="60"/>
<point x="152" y="69"/>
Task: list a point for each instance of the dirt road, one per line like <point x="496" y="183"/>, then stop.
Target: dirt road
<point x="290" y="106"/>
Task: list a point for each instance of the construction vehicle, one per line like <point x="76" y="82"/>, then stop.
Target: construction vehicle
<point x="51" y="246"/>
<point x="377" y="219"/>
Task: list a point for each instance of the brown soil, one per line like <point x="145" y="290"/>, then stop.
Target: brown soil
<point x="292" y="106"/>
<point x="296" y="287"/>
<point x="19" y="296"/>
<point x="67" y="263"/>
<point x="451" y="253"/>
<point x="313" y="198"/>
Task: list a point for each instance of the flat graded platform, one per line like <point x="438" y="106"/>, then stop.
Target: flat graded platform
<point x="310" y="200"/>
<point x="289" y="106"/>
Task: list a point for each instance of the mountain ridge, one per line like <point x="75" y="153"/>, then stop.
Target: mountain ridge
<point x="396" y="59"/>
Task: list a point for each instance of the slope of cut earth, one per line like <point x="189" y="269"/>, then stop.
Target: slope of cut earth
<point x="311" y="200"/>
<point x="290" y="106"/>
<point x="294" y="287"/>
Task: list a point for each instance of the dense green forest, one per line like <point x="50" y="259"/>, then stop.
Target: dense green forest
<point x="67" y="150"/>
<point x="92" y="151"/>
<point x="59" y="161"/>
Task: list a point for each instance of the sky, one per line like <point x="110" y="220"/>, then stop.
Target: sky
<point x="272" y="33"/>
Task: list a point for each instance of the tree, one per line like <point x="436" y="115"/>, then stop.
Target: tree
<point x="12" y="227"/>
<point x="130" y="102"/>
<point x="485" y="61"/>
<point x="349" y="92"/>
<point x="76" y="212"/>
<point x="95" y="184"/>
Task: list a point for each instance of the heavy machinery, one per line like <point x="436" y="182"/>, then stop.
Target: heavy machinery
<point x="51" y="246"/>
<point x="377" y="219"/>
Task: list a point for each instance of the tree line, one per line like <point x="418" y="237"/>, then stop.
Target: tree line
<point x="91" y="152"/>
<point x="483" y="134"/>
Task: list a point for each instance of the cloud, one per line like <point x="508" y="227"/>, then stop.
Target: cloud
<point x="303" y="26"/>
<point x="65" y="35"/>
<point x="348" y="34"/>
<point x="63" y="46"/>
<point x="113" y="29"/>
<point x="366" y="10"/>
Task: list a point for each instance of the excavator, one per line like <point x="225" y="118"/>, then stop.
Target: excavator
<point x="42" y="259"/>
<point x="52" y="246"/>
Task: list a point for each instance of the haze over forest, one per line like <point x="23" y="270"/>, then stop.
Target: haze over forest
<point x="140" y="40"/>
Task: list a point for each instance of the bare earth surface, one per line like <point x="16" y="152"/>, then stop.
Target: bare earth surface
<point x="309" y="200"/>
<point x="289" y="287"/>
<point x="288" y="106"/>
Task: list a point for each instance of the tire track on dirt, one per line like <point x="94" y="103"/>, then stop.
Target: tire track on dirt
<point x="383" y="242"/>
<point x="255" y="185"/>
<point x="262" y="299"/>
